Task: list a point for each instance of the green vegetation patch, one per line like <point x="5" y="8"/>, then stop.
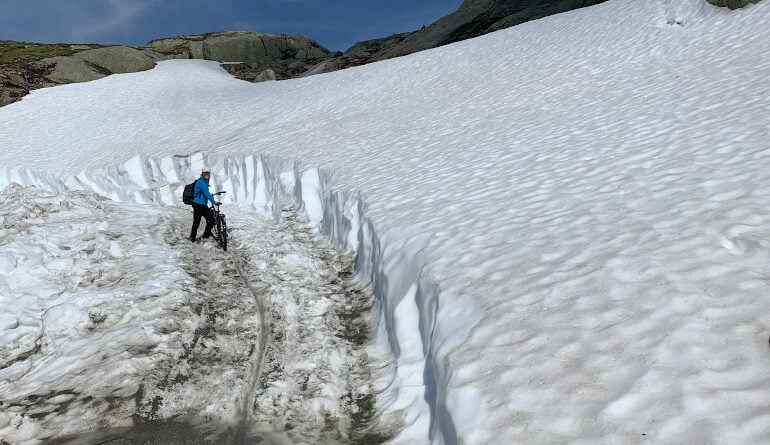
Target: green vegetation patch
<point x="23" y="52"/>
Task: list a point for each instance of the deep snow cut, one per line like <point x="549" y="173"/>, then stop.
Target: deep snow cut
<point x="264" y="183"/>
<point x="565" y="221"/>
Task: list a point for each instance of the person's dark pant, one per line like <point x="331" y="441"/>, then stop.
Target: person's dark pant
<point x="200" y="210"/>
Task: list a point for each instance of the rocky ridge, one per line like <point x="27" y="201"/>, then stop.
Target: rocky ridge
<point x="249" y="56"/>
<point x="474" y="18"/>
<point x="257" y="57"/>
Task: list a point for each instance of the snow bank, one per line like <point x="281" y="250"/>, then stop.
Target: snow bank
<point x="419" y="330"/>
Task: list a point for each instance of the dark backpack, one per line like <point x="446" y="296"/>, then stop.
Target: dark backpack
<point x="189" y="193"/>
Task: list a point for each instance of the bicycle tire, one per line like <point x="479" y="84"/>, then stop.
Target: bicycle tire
<point x="223" y="236"/>
<point x="218" y="228"/>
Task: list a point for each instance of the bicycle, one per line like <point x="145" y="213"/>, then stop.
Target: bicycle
<point x="219" y="230"/>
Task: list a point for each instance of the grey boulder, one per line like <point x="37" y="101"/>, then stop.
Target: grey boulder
<point x="69" y="69"/>
<point x="94" y="64"/>
<point x="118" y="59"/>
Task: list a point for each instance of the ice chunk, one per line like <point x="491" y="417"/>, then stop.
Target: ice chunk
<point x="8" y="321"/>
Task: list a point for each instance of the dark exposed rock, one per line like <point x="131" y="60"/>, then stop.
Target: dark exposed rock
<point x="256" y="72"/>
<point x="732" y="4"/>
<point x="17" y="80"/>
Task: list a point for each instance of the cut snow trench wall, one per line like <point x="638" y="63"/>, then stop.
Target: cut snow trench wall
<point x="407" y="303"/>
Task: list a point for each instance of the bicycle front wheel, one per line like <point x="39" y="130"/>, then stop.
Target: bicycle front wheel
<point x="223" y="236"/>
<point x="220" y="235"/>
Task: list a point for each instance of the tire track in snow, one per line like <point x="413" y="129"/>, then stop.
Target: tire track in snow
<point x="315" y="384"/>
<point x="258" y="358"/>
<point x="203" y="382"/>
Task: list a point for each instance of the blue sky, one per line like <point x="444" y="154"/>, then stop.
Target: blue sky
<point x="334" y="24"/>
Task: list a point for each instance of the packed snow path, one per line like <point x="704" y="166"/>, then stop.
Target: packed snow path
<point x="131" y="321"/>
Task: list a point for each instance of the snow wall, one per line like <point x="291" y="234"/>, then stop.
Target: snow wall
<point x="420" y="325"/>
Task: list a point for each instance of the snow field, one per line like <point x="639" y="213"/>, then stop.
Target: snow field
<point x="585" y="194"/>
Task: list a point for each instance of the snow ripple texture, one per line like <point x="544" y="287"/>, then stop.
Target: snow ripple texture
<point x="594" y="182"/>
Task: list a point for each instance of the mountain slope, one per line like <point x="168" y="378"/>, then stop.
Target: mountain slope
<point x="472" y="19"/>
<point x="571" y="249"/>
<point x="262" y="56"/>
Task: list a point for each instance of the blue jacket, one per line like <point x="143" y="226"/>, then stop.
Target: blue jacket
<point x="202" y="193"/>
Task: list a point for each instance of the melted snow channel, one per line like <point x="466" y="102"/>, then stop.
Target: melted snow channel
<point x="417" y="330"/>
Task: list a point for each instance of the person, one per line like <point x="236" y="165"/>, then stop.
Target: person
<point x="201" y="197"/>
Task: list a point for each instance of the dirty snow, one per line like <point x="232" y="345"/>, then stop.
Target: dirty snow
<point x="109" y="312"/>
<point x="586" y="194"/>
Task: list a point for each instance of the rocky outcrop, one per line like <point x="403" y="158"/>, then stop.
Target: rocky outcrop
<point x="240" y="46"/>
<point x="249" y="55"/>
<point x="359" y="54"/>
<point x="83" y="63"/>
<point x="69" y="69"/>
<point x="732" y="4"/>
<point x="96" y="63"/>
<point x="18" y="72"/>
<point x="118" y="59"/>
<point x="472" y="19"/>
